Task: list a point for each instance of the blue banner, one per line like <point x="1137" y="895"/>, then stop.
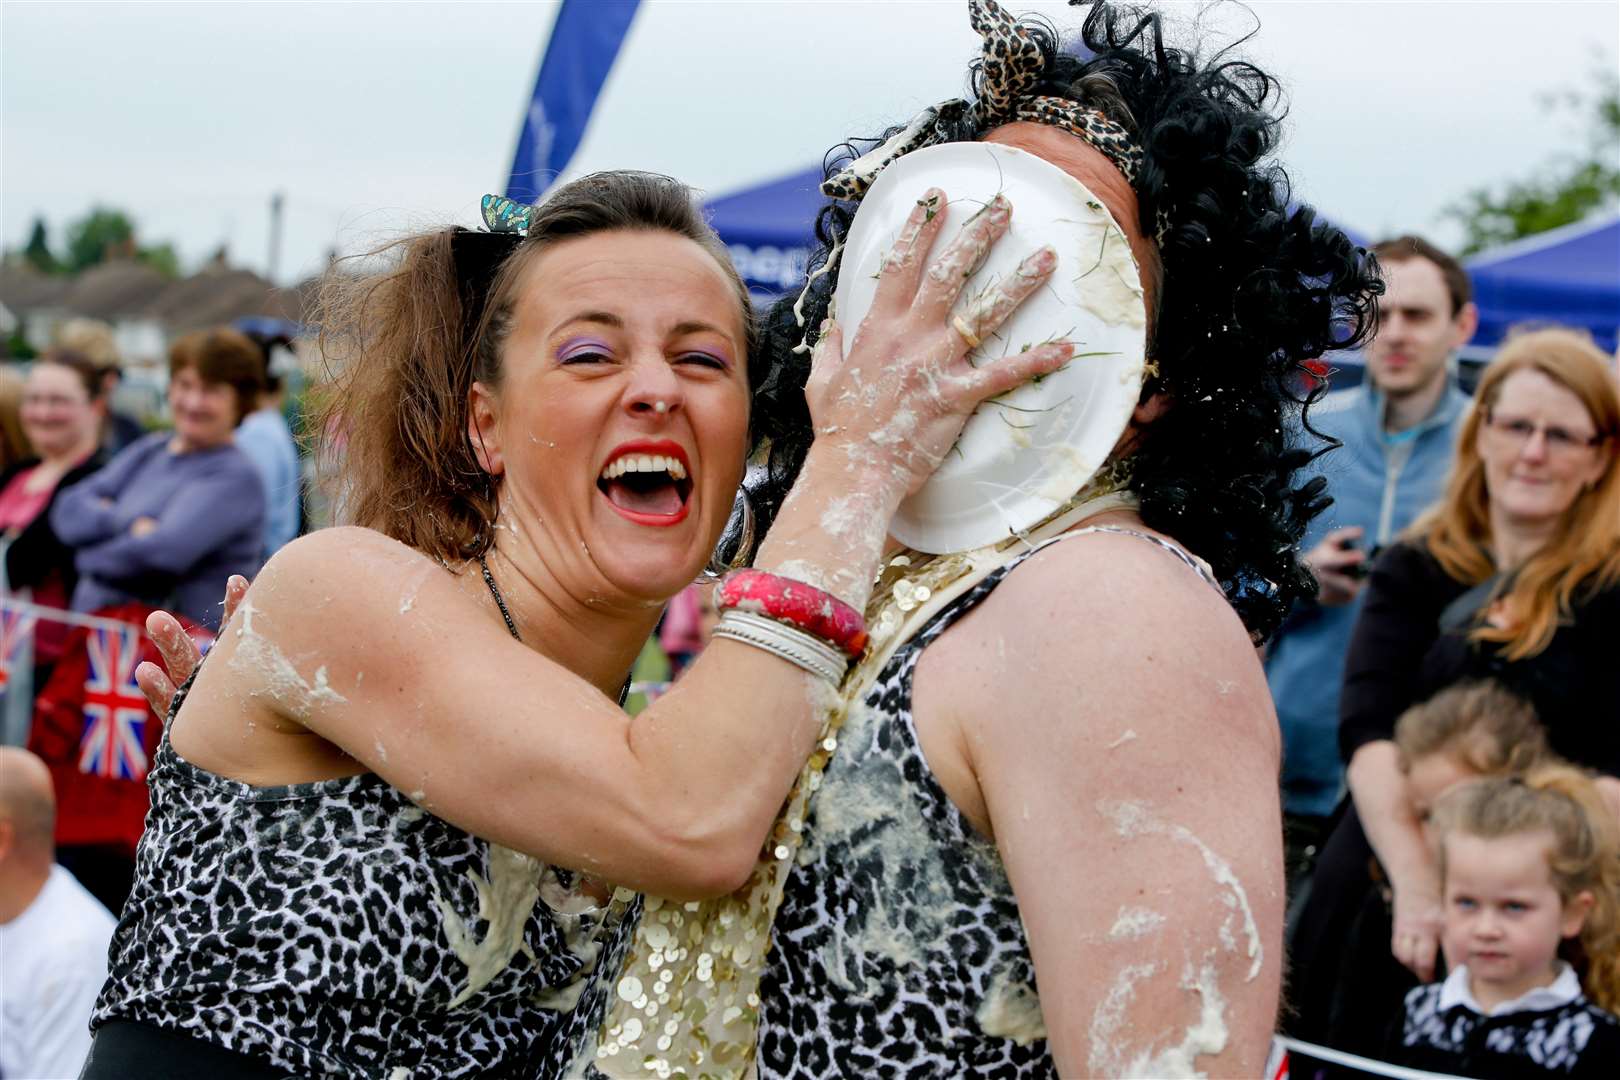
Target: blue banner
<point x="585" y="40"/>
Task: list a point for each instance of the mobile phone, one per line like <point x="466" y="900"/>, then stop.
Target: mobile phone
<point x="1361" y="569"/>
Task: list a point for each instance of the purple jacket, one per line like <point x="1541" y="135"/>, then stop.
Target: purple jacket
<point x="209" y="505"/>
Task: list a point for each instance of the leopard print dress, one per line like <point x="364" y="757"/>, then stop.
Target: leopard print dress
<point x="316" y="926"/>
<point x="898" y="950"/>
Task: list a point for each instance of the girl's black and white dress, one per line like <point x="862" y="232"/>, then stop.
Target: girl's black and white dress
<point x="898" y="950"/>
<point x="1550" y="1031"/>
<point x="326" y="928"/>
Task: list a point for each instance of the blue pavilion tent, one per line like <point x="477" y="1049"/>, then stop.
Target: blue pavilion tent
<point x="1569" y="275"/>
<point x="769" y="230"/>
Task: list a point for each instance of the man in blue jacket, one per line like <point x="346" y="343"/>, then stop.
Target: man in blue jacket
<point x="1398" y="429"/>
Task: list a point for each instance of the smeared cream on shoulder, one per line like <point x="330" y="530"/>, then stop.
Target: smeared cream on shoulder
<point x="1206" y="1036"/>
<point x="1134" y="923"/>
<point x="1108" y="1022"/>
<point x="1134" y="819"/>
<point x="272" y="675"/>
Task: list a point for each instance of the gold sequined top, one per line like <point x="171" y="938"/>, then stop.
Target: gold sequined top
<point x="687" y="1003"/>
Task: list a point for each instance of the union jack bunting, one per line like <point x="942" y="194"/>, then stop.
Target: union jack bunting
<point x="16" y="627"/>
<point x="115" y="713"/>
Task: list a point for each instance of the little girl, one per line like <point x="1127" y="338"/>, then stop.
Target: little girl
<point x="1530" y="867"/>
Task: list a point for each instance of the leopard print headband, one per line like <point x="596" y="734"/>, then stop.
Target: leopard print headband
<point x="1011" y="68"/>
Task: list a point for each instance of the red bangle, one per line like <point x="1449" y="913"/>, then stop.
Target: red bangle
<point x="796" y="604"/>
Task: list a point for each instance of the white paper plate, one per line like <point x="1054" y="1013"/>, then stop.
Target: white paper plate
<point x="1025" y="454"/>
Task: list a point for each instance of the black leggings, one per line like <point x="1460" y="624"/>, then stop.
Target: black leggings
<point x="127" y="1050"/>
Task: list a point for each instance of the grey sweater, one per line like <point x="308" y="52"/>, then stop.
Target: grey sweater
<point x="209" y="506"/>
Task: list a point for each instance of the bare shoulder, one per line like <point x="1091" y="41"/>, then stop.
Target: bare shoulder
<point x="318" y="618"/>
<point x="348" y="600"/>
<point x="345" y="549"/>
<point x="346" y="570"/>
<point x="1107" y="625"/>
<point x="1124" y="580"/>
<point x="1122" y="753"/>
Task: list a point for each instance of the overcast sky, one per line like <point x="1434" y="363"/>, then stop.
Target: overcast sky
<point x="378" y="118"/>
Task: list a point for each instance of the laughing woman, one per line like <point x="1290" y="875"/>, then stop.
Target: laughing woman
<point x="362" y="797"/>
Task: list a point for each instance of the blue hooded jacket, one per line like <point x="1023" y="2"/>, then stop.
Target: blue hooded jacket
<point x="1380" y="482"/>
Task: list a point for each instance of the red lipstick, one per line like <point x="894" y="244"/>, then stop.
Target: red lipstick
<point x="666" y="448"/>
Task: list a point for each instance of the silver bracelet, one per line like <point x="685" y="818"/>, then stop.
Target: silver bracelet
<point x="795" y="646"/>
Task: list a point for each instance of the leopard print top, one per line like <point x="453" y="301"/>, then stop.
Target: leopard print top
<point x="317" y="925"/>
<point x="898" y="950"/>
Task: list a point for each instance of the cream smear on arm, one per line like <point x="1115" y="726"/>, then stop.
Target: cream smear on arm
<point x="266" y="669"/>
<point x="1135" y="819"/>
<point x="1208" y="1035"/>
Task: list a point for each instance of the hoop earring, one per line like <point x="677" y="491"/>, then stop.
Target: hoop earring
<point x="741" y="525"/>
<point x="486" y="536"/>
<point x="493" y="523"/>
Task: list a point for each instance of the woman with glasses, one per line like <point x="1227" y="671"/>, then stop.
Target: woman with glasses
<point x="1513" y="576"/>
<point x="62" y="411"/>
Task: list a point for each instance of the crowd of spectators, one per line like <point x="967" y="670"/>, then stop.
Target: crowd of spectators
<point x="105" y="517"/>
<point x="95" y="509"/>
<point x="1469" y="599"/>
<point x="176" y="512"/>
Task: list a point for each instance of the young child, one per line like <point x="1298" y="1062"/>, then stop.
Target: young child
<point x="1530" y="867"/>
<point x="1462" y="733"/>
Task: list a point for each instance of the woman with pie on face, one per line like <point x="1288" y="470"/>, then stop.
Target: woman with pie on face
<point x="1044" y="837"/>
<point x="363" y="796"/>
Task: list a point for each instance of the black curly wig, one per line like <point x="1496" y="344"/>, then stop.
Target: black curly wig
<point x="1250" y="291"/>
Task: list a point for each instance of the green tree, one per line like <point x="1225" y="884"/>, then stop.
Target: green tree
<point x="16" y="346"/>
<point x="1564" y="192"/>
<point x="161" y="257"/>
<point x="105" y="233"/>
<point x="94" y="237"/>
<point x="38" y="253"/>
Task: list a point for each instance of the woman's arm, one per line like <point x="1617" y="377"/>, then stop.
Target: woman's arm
<point x="84" y="513"/>
<point x="1378" y="789"/>
<point x="372" y="646"/>
<point x="205" y="513"/>
<point x="1397" y="625"/>
<point x="1127" y="755"/>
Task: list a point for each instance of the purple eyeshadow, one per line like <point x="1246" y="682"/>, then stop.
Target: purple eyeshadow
<point x="581" y="346"/>
<point x="720" y="358"/>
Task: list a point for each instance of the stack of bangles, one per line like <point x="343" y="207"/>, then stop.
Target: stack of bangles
<point x="803" y="625"/>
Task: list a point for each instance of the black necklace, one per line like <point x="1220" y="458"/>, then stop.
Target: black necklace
<point x="489" y="579"/>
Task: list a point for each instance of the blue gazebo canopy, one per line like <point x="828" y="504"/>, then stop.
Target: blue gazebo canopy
<point x="1569" y="275"/>
<point x="769" y="229"/>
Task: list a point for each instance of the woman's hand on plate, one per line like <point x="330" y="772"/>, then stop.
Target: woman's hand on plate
<point x="897" y="402"/>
